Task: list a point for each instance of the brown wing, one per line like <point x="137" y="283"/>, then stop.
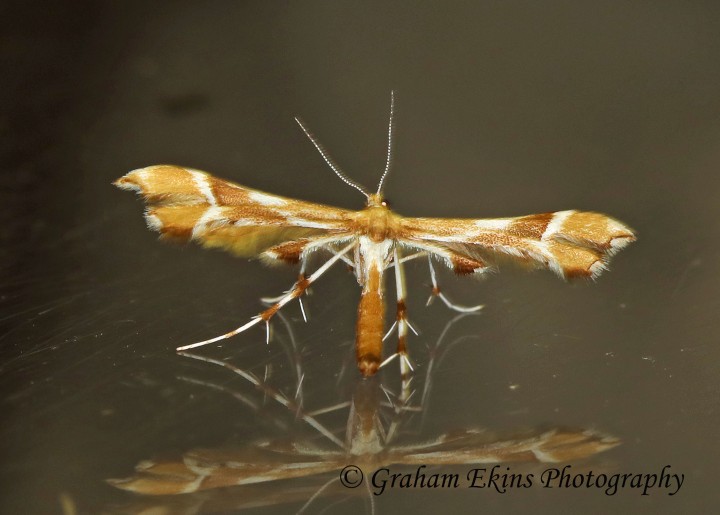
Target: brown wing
<point x="186" y="204"/>
<point x="571" y="243"/>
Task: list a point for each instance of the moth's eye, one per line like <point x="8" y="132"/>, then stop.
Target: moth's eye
<point x="386" y="203"/>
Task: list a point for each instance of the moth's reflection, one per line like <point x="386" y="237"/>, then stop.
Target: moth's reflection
<point x="376" y="436"/>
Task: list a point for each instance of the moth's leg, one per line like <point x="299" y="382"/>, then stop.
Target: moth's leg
<point x="349" y="262"/>
<point x="301" y="277"/>
<point x="392" y="265"/>
<point x="299" y="251"/>
<point x="266" y="315"/>
<point x="401" y="320"/>
<point x="436" y="292"/>
<point x="408" y="258"/>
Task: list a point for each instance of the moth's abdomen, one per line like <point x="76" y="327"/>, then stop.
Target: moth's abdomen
<point x="370" y="325"/>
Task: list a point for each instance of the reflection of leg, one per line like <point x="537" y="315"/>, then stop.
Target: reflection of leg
<point x="294" y="358"/>
<point x="437" y="351"/>
<point x="437" y="293"/>
<point x="266" y="315"/>
<point x="272" y="393"/>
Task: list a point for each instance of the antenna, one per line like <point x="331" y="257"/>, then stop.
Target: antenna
<point x="390" y="142"/>
<point x="335" y="168"/>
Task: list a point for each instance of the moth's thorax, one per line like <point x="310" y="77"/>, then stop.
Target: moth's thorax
<point x="377" y="222"/>
<point x="376" y="227"/>
<point x="371" y="255"/>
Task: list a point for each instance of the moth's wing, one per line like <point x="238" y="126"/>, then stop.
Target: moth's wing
<point x="204" y="469"/>
<point x="571" y="243"/>
<point x="478" y="446"/>
<point x="185" y="204"/>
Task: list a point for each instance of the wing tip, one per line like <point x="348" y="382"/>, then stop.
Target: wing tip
<point x="620" y="242"/>
<point x="134" y="180"/>
<point x="127" y="183"/>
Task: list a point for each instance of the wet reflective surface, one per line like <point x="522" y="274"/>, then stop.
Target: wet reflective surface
<point x="502" y="111"/>
<point x="376" y="453"/>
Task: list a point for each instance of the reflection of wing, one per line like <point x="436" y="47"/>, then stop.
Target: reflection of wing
<point x="204" y="469"/>
<point x="471" y="447"/>
<point x="571" y="243"/>
<point x="186" y="204"/>
<point x="237" y="500"/>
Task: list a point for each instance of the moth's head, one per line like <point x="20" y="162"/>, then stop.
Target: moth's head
<point x="376" y="200"/>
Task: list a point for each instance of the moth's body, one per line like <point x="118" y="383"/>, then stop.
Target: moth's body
<point x="186" y="204"/>
<point x="372" y="258"/>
